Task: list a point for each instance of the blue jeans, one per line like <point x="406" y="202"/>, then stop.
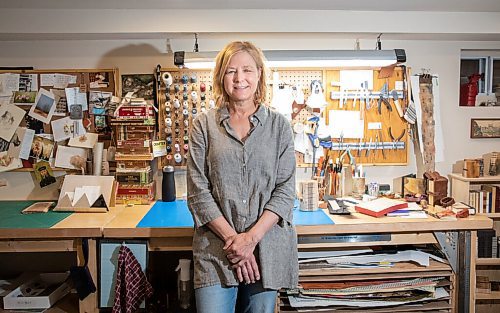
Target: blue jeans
<point x="251" y="298"/>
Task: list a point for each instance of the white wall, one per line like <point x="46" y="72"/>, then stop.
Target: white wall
<point x="135" y="41"/>
<point x="141" y="56"/>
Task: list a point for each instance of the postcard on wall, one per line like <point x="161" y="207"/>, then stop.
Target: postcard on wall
<point x="84" y="141"/>
<point x="8" y="163"/>
<point x="142" y="85"/>
<point x="43" y="173"/>
<point x="74" y="96"/>
<point x="16" y="141"/>
<point x="64" y="128"/>
<point x="44" y="106"/>
<point x="99" y="80"/>
<point x="61" y="105"/>
<point x="41" y="148"/>
<point x="24" y="97"/>
<point x="65" y="153"/>
<point x="25" y="147"/>
<point x="10" y="117"/>
<point x="28" y="82"/>
<point x="8" y="84"/>
<point x="62" y="81"/>
<point x="98" y="102"/>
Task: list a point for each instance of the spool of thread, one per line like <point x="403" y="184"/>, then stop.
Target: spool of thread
<point x="97" y="158"/>
<point x="168" y="184"/>
<point x="167" y="79"/>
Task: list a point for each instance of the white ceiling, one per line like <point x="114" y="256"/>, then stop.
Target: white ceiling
<point x="352" y="5"/>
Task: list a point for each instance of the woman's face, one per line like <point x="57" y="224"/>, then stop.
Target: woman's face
<point x="241" y="77"/>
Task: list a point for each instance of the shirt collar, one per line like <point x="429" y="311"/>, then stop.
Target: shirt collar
<point x="259" y="116"/>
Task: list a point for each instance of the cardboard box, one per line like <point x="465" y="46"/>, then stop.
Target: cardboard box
<point x="39" y="292"/>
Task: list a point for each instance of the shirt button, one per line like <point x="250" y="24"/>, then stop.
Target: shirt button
<point x="244" y="201"/>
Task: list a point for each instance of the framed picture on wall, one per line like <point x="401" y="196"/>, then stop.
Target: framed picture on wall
<point x="485" y="128"/>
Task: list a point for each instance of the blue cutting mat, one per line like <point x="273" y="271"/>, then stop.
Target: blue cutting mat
<point x="309" y="218"/>
<point x="302" y="218"/>
<point x="168" y="214"/>
<point x="176" y="214"/>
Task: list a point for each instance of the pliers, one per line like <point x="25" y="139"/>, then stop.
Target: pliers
<point x="395" y="139"/>
<point x="384" y="98"/>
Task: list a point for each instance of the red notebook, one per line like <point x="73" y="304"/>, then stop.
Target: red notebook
<point x="380" y="206"/>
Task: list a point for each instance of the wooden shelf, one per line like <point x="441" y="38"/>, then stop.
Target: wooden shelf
<point x="488" y="261"/>
<point x="490" y="215"/>
<point x="482" y="179"/>
<point x="494" y="295"/>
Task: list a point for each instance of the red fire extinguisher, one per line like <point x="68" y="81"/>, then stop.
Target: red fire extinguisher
<point x="468" y="92"/>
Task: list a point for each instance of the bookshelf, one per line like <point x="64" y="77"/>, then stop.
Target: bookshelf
<point x="490" y="267"/>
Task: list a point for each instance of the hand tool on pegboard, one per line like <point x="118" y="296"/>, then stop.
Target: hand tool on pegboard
<point x="384" y="98"/>
<point x="395" y="139"/>
<point x="395" y="98"/>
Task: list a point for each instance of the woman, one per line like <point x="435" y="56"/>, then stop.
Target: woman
<point x="241" y="188"/>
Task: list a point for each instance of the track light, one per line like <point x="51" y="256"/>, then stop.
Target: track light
<point x="303" y="58"/>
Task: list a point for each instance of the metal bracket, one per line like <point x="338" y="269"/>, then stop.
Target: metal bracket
<point x="457" y="248"/>
<point x="449" y="244"/>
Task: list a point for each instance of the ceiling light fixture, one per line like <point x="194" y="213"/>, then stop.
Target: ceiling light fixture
<point x="304" y="58"/>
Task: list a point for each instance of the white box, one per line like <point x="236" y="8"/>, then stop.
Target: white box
<point x="40" y="292"/>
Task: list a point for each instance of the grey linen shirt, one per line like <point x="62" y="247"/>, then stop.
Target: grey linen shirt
<point x="239" y="180"/>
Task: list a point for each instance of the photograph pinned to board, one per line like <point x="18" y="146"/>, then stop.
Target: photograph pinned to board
<point x="99" y="80"/>
<point x="44" y="106"/>
<point x="64" y="128"/>
<point x="87" y="140"/>
<point x="43" y="174"/>
<point x="20" y="145"/>
<point x="75" y="97"/>
<point x="98" y="102"/>
<point x="142" y="85"/>
<point x="10" y="117"/>
<point x="14" y="147"/>
<point x="28" y="82"/>
<point x="65" y="156"/>
<point x="61" y="105"/>
<point x="8" y="163"/>
<point x="24" y="97"/>
<point x="41" y="147"/>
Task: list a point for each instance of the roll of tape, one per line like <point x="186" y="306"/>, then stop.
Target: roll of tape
<point x="167" y="79"/>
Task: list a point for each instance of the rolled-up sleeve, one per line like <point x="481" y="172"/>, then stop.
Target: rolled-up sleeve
<point x="283" y="195"/>
<point x="200" y="200"/>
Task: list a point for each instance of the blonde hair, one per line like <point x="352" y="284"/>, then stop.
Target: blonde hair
<point x="221" y="63"/>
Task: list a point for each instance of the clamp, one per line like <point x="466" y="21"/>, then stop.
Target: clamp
<point x="395" y="139"/>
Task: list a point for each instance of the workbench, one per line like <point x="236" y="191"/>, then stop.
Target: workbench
<point x="169" y="227"/>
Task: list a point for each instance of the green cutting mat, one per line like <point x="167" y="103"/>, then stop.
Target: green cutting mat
<point x="11" y="216"/>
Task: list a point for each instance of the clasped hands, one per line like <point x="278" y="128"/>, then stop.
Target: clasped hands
<point x="239" y="251"/>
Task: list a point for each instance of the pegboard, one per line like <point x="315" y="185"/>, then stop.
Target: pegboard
<point x="298" y="78"/>
<point x="386" y="151"/>
<point x="189" y="94"/>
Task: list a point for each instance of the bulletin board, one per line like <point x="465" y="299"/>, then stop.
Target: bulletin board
<point x="383" y="150"/>
<point x="87" y="81"/>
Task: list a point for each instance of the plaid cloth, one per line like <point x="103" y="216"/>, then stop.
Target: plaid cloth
<point x="132" y="287"/>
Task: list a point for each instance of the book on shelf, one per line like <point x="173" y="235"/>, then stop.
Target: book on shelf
<point x="380" y="206"/>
